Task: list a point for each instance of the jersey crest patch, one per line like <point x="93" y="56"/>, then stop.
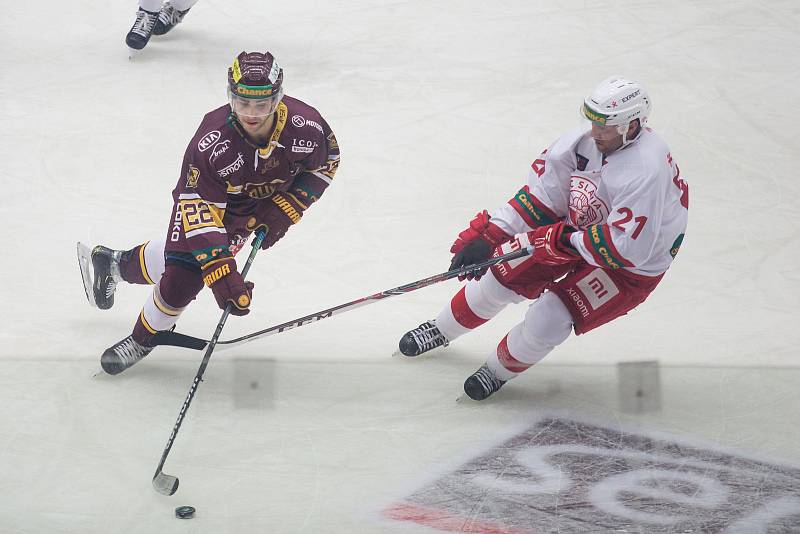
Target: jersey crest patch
<point x="585" y="207"/>
<point x="192" y="175"/>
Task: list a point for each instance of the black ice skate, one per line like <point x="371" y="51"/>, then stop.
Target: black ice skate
<point x="482" y="383"/>
<point x="168" y="18"/>
<point x="422" y="339"/>
<point x="142" y="29"/>
<point x="122" y="355"/>
<point x="105" y="264"/>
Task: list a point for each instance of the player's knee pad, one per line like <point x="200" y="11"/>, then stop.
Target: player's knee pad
<point x="547" y="322"/>
<point x="179" y="285"/>
<point x="487" y="297"/>
<point x="173" y="292"/>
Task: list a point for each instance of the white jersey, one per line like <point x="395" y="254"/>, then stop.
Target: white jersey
<point x="630" y="208"/>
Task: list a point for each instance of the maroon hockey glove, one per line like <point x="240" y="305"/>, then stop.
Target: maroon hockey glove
<point x="551" y="244"/>
<point x="276" y="214"/>
<point x="475" y="244"/>
<point x="228" y="285"/>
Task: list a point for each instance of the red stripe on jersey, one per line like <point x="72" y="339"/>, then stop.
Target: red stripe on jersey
<point x="462" y="312"/>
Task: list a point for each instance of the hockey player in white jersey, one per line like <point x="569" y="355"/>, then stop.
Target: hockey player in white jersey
<point x="605" y="209"/>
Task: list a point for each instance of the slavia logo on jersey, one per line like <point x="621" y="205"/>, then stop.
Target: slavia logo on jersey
<point x="585" y="207"/>
<point x="210" y="139"/>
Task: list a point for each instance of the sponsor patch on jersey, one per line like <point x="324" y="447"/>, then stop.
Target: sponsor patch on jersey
<point x="218" y="150"/>
<point x="298" y="121"/>
<point x="530" y="210"/>
<point x="237" y="164"/>
<point x="598" y="239"/>
<point x="210" y="139"/>
<point x="598" y="288"/>
<point x="303" y="146"/>
<point x="676" y="246"/>
<point x="192" y="175"/>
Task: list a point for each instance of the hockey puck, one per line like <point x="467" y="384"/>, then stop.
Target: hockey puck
<point x="184" y="512"/>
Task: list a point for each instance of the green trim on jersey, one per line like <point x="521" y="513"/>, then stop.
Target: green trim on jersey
<point x="526" y="202"/>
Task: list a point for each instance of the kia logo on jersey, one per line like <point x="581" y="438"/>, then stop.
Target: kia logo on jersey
<point x="208" y="140"/>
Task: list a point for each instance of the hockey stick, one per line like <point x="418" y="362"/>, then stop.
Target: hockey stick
<point x="162" y="482"/>
<point x="189" y="342"/>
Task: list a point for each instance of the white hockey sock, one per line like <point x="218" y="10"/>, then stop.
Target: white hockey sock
<point x="547" y="324"/>
<point x="182" y="5"/>
<point x="153" y="6"/>
<point x="154" y="259"/>
<point x="157" y="314"/>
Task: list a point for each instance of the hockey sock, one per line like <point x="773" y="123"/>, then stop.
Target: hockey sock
<point x="143" y="264"/>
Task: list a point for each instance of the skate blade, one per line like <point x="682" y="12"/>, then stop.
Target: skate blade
<point x="85" y="263"/>
<point x="132" y="53"/>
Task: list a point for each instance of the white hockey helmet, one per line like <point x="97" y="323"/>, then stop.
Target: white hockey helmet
<point x="616" y="102"/>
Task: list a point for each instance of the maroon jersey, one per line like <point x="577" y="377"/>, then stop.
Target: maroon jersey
<point x="224" y="175"/>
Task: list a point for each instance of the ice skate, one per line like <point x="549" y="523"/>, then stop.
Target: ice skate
<point x="168" y="18"/>
<point x="122" y="355"/>
<point x="105" y="275"/>
<point x="141" y="30"/>
<point x="422" y="339"/>
<point x="482" y="383"/>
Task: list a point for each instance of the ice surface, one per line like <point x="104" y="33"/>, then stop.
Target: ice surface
<point x="439" y="107"/>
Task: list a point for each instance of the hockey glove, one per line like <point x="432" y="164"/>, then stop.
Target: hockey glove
<point x="551" y="244"/>
<point x="228" y="285"/>
<point x="275" y="215"/>
<point x="475" y="244"/>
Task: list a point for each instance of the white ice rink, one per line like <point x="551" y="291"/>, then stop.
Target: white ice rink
<point x="439" y="107"/>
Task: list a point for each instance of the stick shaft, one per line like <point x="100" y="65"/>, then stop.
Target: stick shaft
<point x="182" y="340"/>
<point x="206" y="358"/>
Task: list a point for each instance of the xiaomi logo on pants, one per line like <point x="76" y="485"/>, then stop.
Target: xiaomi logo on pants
<point x="598" y="288"/>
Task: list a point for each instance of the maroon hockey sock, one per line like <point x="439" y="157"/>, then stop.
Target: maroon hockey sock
<point x="142" y="332"/>
<point x="132" y="266"/>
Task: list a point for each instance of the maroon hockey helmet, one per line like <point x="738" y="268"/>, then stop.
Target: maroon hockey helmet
<point x="255" y="75"/>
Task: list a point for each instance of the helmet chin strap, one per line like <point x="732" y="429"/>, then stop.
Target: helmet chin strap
<point x="624" y="132"/>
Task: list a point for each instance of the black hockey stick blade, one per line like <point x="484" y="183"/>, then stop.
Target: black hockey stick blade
<point x="176" y="339"/>
<point x="165" y="484"/>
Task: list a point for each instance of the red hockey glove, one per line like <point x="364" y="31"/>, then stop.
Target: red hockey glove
<point x="276" y="214"/>
<point x="551" y="244"/>
<point x="475" y="244"/>
<point x="228" y="285"/>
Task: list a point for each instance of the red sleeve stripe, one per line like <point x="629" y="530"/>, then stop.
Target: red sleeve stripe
<point x="597" y="239"/>
<point x="531" y="209"/>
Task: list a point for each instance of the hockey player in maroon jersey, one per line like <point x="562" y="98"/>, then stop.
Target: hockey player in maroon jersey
<point x="260" y="161"/>
<point x="605" y="210"/>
